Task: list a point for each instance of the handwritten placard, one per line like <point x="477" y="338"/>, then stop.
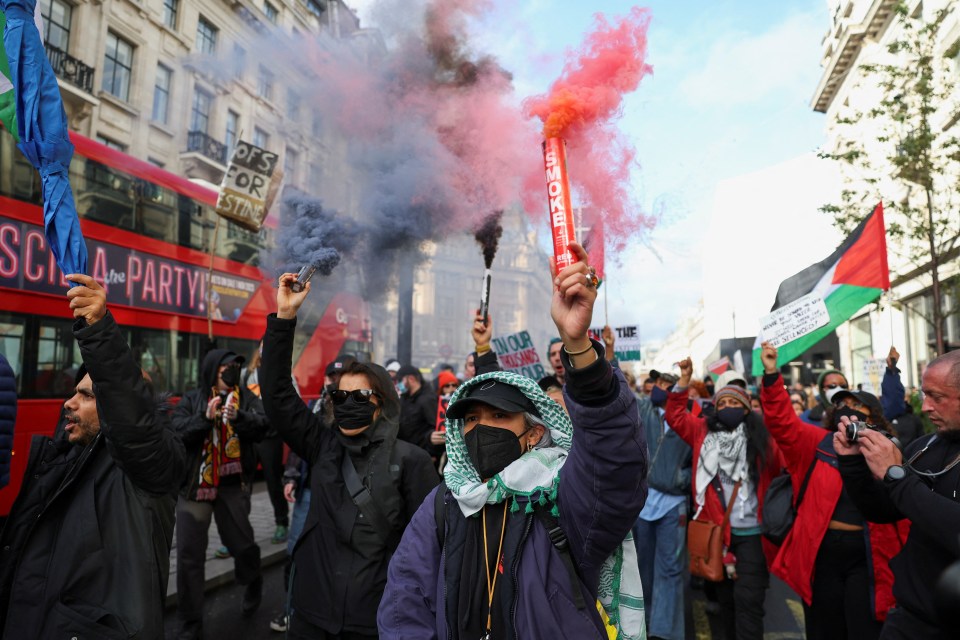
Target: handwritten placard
<point x="794" y="320"/>
<point x="517" y="353"/>
<point x="873" y="369"/>
<point x="626" y="344"/>
<point x="248" y="186"/>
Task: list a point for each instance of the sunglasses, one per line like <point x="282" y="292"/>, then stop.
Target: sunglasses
<point x="361" y="396"/>
<point x="835" y="385"/>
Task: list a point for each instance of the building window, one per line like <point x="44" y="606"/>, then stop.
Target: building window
<point x="260" y="138"/>
<point x="206" y="36"/>
<point x="293" y="105"/>
<point x="170" y="13"/>
<point x="290" y="166"/>
<point x="113" y="144"/>
<point x="200" y="111"/>
<point x="156" y="163"/>
<point x="233" y="126"/>
<point x="161" y="94"/>
<point x="57" y="16"/>
<point x="117" y="66"/>
<point x="314" y="7"/>
<point x="271" y="12"/>
<point x="239" y="61"/>
<point x="265" y="84"/>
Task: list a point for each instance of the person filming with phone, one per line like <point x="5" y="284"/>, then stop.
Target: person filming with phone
<point x="921" y="484"/>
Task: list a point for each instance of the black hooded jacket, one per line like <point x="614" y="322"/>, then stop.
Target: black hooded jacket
<point x="341" y="560"/>
<point x="86" y="550"/>
<point x="190" y="421"/>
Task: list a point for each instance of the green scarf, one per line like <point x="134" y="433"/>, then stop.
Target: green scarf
<point x="537" y="474"/>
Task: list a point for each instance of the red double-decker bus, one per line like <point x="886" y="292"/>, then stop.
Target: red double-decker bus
<point x="148" y="235"/>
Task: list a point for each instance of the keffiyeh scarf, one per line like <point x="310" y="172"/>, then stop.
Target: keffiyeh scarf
<point x="722" y="451"/>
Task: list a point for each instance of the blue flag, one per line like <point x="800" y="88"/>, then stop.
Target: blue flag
<point x="42" y="128"/>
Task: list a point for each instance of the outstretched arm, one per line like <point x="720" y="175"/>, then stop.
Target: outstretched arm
<point x="687" y="425"/>
<point x="151" y="456"/>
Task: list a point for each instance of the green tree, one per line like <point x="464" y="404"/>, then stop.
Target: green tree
<point x="902" y="151"/>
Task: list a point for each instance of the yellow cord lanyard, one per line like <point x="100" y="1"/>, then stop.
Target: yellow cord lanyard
<point x="492" y="581"/>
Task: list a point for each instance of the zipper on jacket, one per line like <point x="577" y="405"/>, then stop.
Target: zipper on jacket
<point x="513" y="571"/>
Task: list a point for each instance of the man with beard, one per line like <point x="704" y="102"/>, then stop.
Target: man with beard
<point x="219" y="422"/>
<point x="86" y="549"/>
<point x="553" y="355"/>
<point x="919" y="484"/>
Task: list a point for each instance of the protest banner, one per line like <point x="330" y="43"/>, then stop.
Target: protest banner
<point x="627" y="342"/>
<point x="794" y="320"/>
<point x="873" y="369"/>
<point x="517" y="353"/>
<point x="248" y="188"/>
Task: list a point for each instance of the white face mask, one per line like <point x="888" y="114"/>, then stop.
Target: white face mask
<point x="832" y="392"/>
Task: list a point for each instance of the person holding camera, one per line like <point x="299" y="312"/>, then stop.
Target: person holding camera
<point x="834" y="560"/>
<point x="920" y="484"/>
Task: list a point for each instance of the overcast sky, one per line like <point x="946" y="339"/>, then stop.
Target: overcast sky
<point x="730" y="95"/>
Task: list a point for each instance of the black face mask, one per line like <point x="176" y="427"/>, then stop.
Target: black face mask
<point x="658" y="397"/>
<point x="354" y="415"/>
<point x="491" y="449"/>
<point x="850" y="413"/>
<point x="731" y="417"/>
<point x="231" y="376"/>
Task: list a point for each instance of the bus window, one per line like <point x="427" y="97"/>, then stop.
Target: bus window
<point x="11" y="342"/>
<point x="57" y="359"/>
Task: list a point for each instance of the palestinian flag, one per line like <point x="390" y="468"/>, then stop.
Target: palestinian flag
<point x="852" y="277"/>
<point x="8" y="114"/>
<point x="717" y="367"/>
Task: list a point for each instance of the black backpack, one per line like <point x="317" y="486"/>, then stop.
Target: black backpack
<point x="779" y="511"/>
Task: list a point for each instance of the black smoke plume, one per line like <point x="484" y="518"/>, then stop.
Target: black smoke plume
<point x="488" y="236"/>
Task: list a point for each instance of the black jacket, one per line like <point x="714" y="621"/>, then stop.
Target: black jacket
<point x="86" y="550"/>
<point x="341" y="561"/>
<point x="418" y="418"/>
<point x="933" y="509"/>
<point x="190" y="421"/>
<point x="8" y="417"/>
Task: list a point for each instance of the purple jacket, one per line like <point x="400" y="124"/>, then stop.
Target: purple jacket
<point x="602" y="490"/>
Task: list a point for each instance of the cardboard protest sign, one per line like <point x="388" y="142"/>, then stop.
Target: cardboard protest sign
<point x="249" y="186"/>
<point x="517" y="353"/>
<point x="794" y="320"/>
<point x="873" y="369"/>
<point x="627" y="344"/>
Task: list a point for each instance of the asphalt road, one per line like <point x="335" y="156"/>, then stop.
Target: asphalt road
<point x="784" y="619"/>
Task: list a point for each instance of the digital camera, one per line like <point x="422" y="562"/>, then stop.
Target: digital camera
<point x="855" y="428"/>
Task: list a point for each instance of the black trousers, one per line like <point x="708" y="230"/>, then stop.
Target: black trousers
<point x="300" y="629"/>
<point x="231" y="509"/>
<point x="841" y="608"/>
<point x="270" y="451"/>
<point x="741" y="600"/>
<point x="904" y="625"/>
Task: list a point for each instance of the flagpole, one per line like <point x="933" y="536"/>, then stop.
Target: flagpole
<point x="213" y="251"/>
<point x="606" y="298"/>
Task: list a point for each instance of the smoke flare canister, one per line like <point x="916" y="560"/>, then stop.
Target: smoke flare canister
<point x="558" y="197"/>
<point x="303" y="277"/>
<point x="485" y="295"/>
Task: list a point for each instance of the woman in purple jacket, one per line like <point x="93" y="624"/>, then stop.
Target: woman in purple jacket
<point x="509" y="550"/>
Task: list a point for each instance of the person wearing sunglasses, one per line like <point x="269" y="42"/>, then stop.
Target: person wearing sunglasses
<point x="365" y="484"/>
<point x="922" y="484"/>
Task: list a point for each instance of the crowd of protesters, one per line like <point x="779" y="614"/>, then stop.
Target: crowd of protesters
<point x="489" y="505"/>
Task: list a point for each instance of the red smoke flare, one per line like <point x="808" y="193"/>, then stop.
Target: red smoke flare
<point x="580" y="108"/>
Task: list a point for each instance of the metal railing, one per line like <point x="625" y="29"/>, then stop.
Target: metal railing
<point x="70" y="69"/>
<point x="202" y="143"/>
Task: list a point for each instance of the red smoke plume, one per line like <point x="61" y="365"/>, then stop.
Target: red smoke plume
<point x="580" y="108"/>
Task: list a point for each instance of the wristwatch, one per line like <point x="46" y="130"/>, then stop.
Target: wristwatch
<point x="894" y="473"/>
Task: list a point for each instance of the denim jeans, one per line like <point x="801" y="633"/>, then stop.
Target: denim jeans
<point x="300" y="509"/>
<point x="661" y="553"/>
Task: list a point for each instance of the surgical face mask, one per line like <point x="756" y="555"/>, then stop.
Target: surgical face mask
<point x="829" y="393"/>
<point x="354" y="415"/>
<point x="850" y="413"/>
<point x="731" y="417"/>
<point x="231" y="375"/>
<point x="658" y="397"/>
<point x="491" y="450"/>
<point x="401" y="388"/>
